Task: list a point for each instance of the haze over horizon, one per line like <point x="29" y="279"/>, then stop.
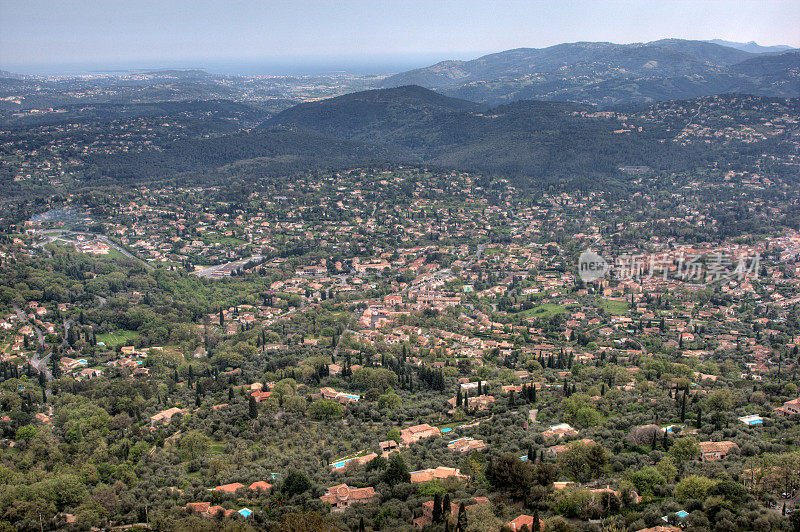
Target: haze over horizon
<point x="309" y="37"/>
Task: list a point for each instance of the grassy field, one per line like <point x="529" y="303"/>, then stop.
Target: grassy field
<point x="617" y="308"/>
<point x="113" y="253"/>
<point x="120" y="337"/>
<point x="216" y="447"/>
<point x="545" y="310"/>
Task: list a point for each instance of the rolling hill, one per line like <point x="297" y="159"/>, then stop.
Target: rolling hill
<point x="546" y="141"/>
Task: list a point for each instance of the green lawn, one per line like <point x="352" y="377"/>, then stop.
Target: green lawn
<point x="113" y="253"/>
<point x="120" y="337"/>
<point x="217" y="447"/>
<point x="545" y="310"/>
<point x="617" y="308"/>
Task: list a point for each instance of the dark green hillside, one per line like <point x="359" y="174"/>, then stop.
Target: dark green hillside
<point x="285" y="151"/>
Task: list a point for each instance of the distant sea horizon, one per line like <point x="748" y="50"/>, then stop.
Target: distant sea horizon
<point x="274" y="66"/>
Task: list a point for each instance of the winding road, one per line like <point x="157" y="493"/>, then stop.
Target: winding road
<point x="38" y="361"/>
<point x="51" y="235"/>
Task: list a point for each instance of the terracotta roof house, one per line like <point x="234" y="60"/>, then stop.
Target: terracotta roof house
<point x="789" y="408"/>
<point x="89" y="373"/>
<point x="260" y="486"/>
<point x="559" y="431"/>
<point x="341" y="397"/>
<point x="715" y="450"/>
<point x="260" y="396"/>
<point x="206" y="510"/>
<point x="199" y="507"/>
<point x="607" y="489"/>
<point x="358" y="460"/>
<point x="426" y="475"/>
<point x="418" y="432"/>
<point x="388" y="446"/>
<point x="165" y="416"/>
<point x="481" y="402"/>
<point x="557" y="449"/>
<point x="229" y="488"/>
<point x="465" y="445"/>
<point x="343" y="496"/>
<point x="214" y="510"/>
<point x="524" y="520"/>
<point x="427" y="511"/>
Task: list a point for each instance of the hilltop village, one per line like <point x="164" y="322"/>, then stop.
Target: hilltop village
<point x="396" y="348"/>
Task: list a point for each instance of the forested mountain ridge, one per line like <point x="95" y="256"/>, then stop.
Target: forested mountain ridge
<point x="536" y="144"/>
<point x="604" y="73"/>
<point x="535" y="141"/>
<point x="752" y="46"/>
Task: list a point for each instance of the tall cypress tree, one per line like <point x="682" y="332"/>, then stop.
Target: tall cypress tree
<point x="437" y="508"/>
<point x="252" y="407"/>
<point x="462" y="519"/>
<point x="683" y="407"/>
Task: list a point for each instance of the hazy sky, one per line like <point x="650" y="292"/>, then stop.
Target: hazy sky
<point x="126" y="31"/>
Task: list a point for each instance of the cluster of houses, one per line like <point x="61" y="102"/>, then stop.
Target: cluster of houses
<point x="207" y="509"/>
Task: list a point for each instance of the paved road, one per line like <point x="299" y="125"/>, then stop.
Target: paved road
<point x="53" y="234"/>
<point x="223" y="270"/>
<point x="39" y="362"/>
